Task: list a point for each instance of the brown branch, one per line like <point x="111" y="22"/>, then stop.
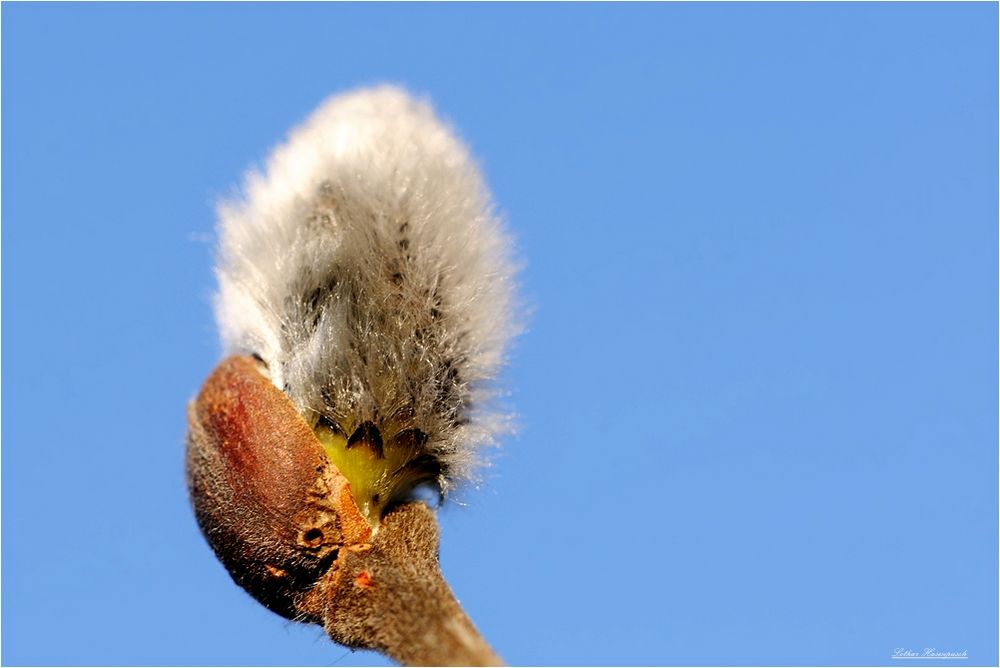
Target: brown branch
<point x="391" y="597"/>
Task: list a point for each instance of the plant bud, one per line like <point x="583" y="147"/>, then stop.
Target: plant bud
<point x="366" y="293"/>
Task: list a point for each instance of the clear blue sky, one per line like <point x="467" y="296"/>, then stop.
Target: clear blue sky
<point x="758" y="393"/>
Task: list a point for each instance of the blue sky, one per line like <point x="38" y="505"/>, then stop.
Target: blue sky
<point x="757" y="396"/>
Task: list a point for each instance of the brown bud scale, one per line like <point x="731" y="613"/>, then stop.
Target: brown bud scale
<point x="275" y="512"/>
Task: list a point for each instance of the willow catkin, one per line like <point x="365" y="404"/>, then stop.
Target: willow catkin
<point x="367" y="270"/>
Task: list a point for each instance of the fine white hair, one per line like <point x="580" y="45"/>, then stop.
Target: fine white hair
<point x="366" y="268"/>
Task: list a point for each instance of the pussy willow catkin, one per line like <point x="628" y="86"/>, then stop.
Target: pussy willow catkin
<point x="367" y="270"/>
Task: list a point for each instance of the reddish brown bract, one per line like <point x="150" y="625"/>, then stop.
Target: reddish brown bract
<point x="274" y="511"/>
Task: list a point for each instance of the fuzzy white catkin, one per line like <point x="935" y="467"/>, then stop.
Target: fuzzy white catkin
<point x="367" y="269"/>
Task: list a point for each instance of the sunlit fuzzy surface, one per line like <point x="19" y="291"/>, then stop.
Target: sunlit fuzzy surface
<point x="367" y="269"/>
